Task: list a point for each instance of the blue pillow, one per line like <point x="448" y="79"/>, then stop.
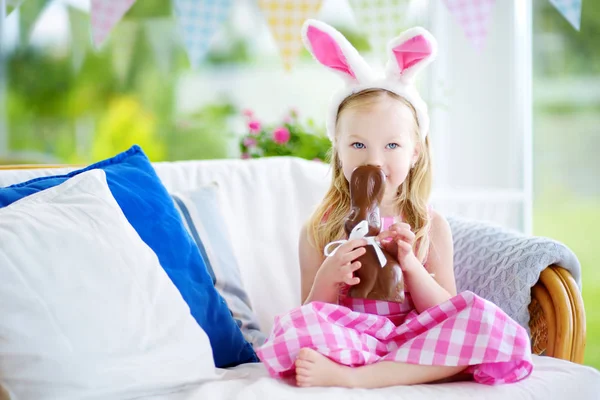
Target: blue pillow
<point x="150" y="210"/>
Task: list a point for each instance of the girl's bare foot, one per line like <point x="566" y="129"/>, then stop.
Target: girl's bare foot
<point x="314" y="369"/>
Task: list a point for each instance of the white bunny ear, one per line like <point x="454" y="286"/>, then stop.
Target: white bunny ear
<point x="330" y="48"/>
<point x="410" y="53"/>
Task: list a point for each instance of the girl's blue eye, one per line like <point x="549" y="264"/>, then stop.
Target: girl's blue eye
<point x="393" y="146"/>
<point x="358" y="145"/>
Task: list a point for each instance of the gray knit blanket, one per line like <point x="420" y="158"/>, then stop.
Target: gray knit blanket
<point x="502" y="265"/>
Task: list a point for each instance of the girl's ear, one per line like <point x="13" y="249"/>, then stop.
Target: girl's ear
<point x="416" y="153"/>
<point x="410" y="53"/>
<point x="336" y="154"/>
<point x="331" y="49"/>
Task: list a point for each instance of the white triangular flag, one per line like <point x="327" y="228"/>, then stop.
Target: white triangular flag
<point x="198" y="22"/>
<point x="570" y="9"/>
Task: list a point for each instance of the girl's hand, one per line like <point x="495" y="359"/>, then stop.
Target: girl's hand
<point x="398" y="240"/>
<point x="339" y="268"/>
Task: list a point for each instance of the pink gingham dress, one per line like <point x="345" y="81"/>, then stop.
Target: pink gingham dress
<point x="466" y="330"/>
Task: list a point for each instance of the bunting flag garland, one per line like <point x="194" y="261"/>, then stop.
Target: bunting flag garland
<point x="381" y="20"/>
<point x="570" y="9"/>
<point x="12" y="5"/>
<point x="285" y="18"/>
<point x="79" y="24"/>
<point x="122" y="49"/>
<point x="198" y="22"/>
<point x="474" y="16"/>
<point x="161" y="36"/>
<point x="104" y="15"/>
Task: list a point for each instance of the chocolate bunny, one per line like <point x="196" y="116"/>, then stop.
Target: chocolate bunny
<point x="367" y="186"/>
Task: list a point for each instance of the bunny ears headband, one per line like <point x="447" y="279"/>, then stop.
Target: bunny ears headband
<point x="408" y="54"/>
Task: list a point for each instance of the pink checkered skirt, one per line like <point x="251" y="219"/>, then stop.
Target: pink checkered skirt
<point x="466" y="330"/>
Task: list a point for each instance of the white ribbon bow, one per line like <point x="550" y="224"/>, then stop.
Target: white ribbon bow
<point x="359" y="232"/>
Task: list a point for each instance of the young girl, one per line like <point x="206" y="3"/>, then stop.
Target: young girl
<point x="435" y="334"/>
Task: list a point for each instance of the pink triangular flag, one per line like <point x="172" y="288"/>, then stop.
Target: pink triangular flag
<point x="474" y="16"/>
<point x="104" y="15"/>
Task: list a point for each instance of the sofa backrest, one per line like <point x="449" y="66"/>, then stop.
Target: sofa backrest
<point x="265" y="202"/>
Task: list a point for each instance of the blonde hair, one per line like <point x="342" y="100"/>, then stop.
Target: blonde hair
<point x="327" y="222"/>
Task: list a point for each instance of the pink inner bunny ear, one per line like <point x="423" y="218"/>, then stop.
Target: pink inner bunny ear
<point x="327" y="51"/>
<point x="411" y="52"/>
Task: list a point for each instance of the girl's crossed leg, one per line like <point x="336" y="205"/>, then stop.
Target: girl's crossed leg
<point x="314" y="369"/>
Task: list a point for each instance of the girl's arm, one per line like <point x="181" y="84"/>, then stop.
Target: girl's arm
<point x="310" y="261"/>
<point x="321" y="278"/>
<point x="426" y="290"/>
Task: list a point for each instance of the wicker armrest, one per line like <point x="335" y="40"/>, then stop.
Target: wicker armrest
<point x="557" y="316"/>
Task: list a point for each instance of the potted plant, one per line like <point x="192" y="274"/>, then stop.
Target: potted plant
<point x="290" y="137"/>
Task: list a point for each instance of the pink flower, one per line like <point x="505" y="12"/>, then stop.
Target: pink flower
<point x="287" y="119"/>
<point x="254" y="126"/>
<point x="249" y="142"/>
<point x="245" y="156"/>
<point x="281" y="135"/>
<point x="294" y="112"/>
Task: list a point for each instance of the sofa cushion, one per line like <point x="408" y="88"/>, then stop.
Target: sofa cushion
<point x="86" y="309"/>
<point x="265" y="201"/>
<point x="150" y="210"/>
<point x="203" y="218"/>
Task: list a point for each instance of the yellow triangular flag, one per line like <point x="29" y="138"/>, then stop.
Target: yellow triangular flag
<point x="285" y="18"/>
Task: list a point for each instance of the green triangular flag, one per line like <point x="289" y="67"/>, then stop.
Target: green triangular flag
<point x="12" y="5"/>
<point x="79" y="22"/>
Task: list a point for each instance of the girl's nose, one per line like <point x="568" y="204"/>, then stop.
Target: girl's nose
<point x="375" y="160"/>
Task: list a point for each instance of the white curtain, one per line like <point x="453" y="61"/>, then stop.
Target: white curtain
<point x="481" y="116"/>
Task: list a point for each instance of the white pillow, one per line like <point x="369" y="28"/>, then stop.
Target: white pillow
<point x="202" y="216"/>
<point x="86" y="310"/>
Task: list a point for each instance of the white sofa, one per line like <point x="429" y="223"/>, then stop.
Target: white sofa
<point x="265" y="202"/>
